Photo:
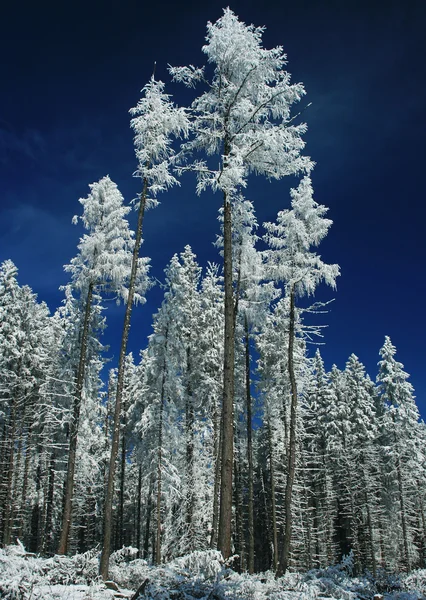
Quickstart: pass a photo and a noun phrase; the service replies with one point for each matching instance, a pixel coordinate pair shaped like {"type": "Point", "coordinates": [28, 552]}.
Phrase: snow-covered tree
{"type": "Point", "coordinates": [359, 465]}
{"type": "Point", "coordinates": [210, 360]}
{"type": "Point", "coordinates": [102, 265]}
{"type": "Point", "coordinates": [320, 428]}
{"type": "Point", "coordinates": [403, 457]}
{"type": "Point", "coordinates": [243, 118]}
{"type": "Point", "coordinates": [156, 123]}
{"type": "Point", "coordinates": [252, 299]}
{"type": "Point", "coordinates": [27, 348]}
{"type": "Point", "coordinates": [292, 261]}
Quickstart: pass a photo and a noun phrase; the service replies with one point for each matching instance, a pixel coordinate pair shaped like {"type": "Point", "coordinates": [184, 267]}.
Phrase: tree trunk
{"type": "Point", "coordinates": [160, 471]}
{"type": "Point", "coordinates": [330, 511]}
{"type": "Point", "coordinates": [138, 513]}
{"type": "Point", "coordinates": [225, 514]}
{"type": "Point", "coordinates": [120, 516]}
{"type": "Point", "coordinates": [309, 533]}
{"type": "Point", "coordinates": [35, 514]}
{"type": "Point", "coordinates": [190, 418]}
{"type": "Point", "coordinates": [7, 510]}
{"type": "Point", "coordinates": [367, 497]}
{"type": "Point", "coordinates": [401, 497]}
{"type": "Point", "coordinates": [72, 451]}
{"type": "Point", "coordinates": [106, 546]}
{"type": "Point", "coordinates": [48, 533]}
{"type": "Point", "coordinates": [285, 556]}
{"type": "Point", "coordinates": [403, 514]}
{"type": "Point", "coordinates": [249, 453]}
{"type": "Point", "coordinates": [273, 502]}
{"type": "Point", "coordinates": [24, 502]}
{"type": "Point", "coordinates": [14, 507]}
{"type": "Point", "coordinates": [148, 520]}
{"type": "Point", "coordinates": [217, 451]}
{"type": "Point", "coordinates": [354, 532]}
{"type": "Point", "coordinates": [239, 535]}
{"type": "Point", "coordinates": [422, 528]}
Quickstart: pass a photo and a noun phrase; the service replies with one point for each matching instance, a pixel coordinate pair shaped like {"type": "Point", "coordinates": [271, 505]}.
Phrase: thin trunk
{"type": "Point", "coordinates": [225, 515]}
{"type": "Point", "coordinates": [309, 534]}
{"type": "Point", "coordinates": [285, 422]}
{"type": "Point", "coordinates": [148, 520]}
{"type": "Point", "coordinates": [10, 465]}
{"type": "Point", "coordinates": [370, 533]}
{"type": "Point", "coordinates": [239, 537]}
{"type": "Point", "coordinates": [273, 501]}
{"type": "Point", "coordinates": [190, 418]}
{"type": "Point", "coordinates": [263, 561]}
{"type": "Point", "coordinates": [159, 465]}
{"type": "Point", "coordinates": [4, 471]}
{"type": "Point", "coordinates": [35, 514]}
{"type": "Point", "coordinates": [217, 452]}
{"type": "Point", "coordinates": [158, 557]}
{"type": "Point", "coordinates": [354, 533]}
{"type": "Point", "coordinates": [382, 561]}
{"type": "Point", "coordinates": [369, 520]}
{"type": "Point", "coordinates": [138, 512]}
{"type": "Point", "coordinates": [48, 534]}
{"type": "Point", "coordinates": [401, 498]}
{"type": "Point", "coordinates": [285, 556]}
{"type": "Point", "coordinates": [422, 527]}
{"type": "Point", "coordinates": [403, 515]}
{"type": "Point", "coordinates": [72, 451]}
{"type": "Point", "coordinates": [249, 453]}
{"type": "Point", "coordinates": [120, 516]}
{"type": "Point", "coordinates": [106, 547]}
{"type": "Point", "coordinates": [14, 508]}
{"type": "Point", "coordinates": [106, 432]}
{"type": "Point", "coordinates": [328, 505]}
{"type": "Point", "coordinates": [25, 481]}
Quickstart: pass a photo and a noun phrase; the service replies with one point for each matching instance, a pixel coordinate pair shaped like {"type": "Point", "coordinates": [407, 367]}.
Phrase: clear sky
{"type": "Point", "coordinates": [71, 71]}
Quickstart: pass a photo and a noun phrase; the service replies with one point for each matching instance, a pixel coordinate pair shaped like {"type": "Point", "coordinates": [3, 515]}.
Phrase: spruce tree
{"type": "Point", "coordinates": [292, 261]}
{"type": "Point", "coordinates": [243, 118]}
{"type": "Point", "coordinates": [156, 123]}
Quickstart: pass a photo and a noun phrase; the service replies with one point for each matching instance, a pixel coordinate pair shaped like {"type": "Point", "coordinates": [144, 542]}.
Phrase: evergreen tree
{"type": "Point", "coordinates": [244, 118]}
{"type": "Point", "coordinates": [156, 123]}
{"type": "Point", "coordinates": [292, 261]}
{"type": "Point", "coordinates": [102, 264]}
{"type": "Point", "coordinates": [25, 335]}
{"type": "Point", "coordinates": [401, 425]}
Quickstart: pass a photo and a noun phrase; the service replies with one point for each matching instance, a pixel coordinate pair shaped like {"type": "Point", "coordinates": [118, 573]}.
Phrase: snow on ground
{"type": "Point", "coordinates": [200, 575]}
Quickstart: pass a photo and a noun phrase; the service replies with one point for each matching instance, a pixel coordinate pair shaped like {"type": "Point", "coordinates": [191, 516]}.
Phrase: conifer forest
{"type": "Point", "coordinates": [225, 432]}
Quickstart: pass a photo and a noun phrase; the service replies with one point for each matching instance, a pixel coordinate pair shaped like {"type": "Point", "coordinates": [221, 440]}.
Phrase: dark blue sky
{"type": "Point", "coordinates": [70, 72]}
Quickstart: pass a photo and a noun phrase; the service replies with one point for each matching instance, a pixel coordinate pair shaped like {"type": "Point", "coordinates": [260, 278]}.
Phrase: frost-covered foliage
{"type": "Point", "coordinates": [244, 116]}
{"type": "Point", "coordinates": [28, 348]}
{"type": "Point", "coordinates": [105, 251]}
{"type": "Point", "coordinates": [291, 239]}
{"type": "Point", "coordinates": [176, 410]}
{"type": "Point", "coordinates": [156, 122]}
{"type": "Point", "coordinates": [195, 576]}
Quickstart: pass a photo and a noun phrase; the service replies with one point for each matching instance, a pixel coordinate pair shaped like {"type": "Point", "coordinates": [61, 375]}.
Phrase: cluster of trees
{"type": "Point", "coordinates": [224, 432]}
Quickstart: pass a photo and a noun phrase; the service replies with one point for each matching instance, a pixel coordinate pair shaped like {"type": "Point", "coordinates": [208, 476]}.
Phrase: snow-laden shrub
{"type": "Point", "coordinates": [205, 564]}
{"type": "Point", "coordinates": [124, 555]}
{"type": "Point", "coordinates": [386, 582]}
{"type": "Point", "coordinates": [80, 569]}
{"type": "Point", "coordinates": [15, 589]}
{"type": "Point", "coordinates": [198, 575]}
{"type": "Point", "coordinates": [130, 575]}
{"type": "Point", "coordinates": [415, 581]}
{"type": "Point", "coordinates": [18, 573]}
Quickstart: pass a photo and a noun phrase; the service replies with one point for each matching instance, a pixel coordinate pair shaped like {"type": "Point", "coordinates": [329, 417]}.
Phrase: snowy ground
{"type": "Point", "coordinates": [201, 575]}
